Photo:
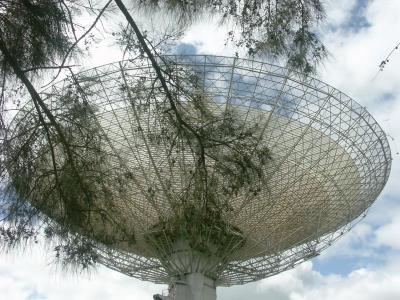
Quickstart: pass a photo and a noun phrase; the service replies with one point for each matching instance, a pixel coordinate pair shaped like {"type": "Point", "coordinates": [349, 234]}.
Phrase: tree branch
{"type": "Point", "coordinates": [41, 106]}
{"type": "Point", "coordinates": [164, 85]}
{"type": "Point", "coordinates": [47, 68]}
{"type": "Point", "coordinates": [78, 40]}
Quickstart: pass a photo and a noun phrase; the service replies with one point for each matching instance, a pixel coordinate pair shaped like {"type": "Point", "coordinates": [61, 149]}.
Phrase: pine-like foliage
{"type": "Point", "coordinates": [69, 185]}
{"type": "Point", "coordinates": [36, 32]}
{"type": "Point", "coordinates": [55, 168]}
{"type": "Point", "coordinates": [276, 28]}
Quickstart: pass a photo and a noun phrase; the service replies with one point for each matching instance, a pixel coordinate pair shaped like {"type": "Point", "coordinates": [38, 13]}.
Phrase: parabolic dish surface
{"type": "Point", "coordinates": [329, 162]}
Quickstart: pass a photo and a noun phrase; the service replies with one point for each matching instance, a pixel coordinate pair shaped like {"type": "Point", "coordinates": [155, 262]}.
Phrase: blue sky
{"type": "Point", "coordinates": [364, 265]}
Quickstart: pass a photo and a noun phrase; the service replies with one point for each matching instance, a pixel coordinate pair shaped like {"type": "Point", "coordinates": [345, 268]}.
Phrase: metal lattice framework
{"type": "Point", "coordinates": [328, 162]}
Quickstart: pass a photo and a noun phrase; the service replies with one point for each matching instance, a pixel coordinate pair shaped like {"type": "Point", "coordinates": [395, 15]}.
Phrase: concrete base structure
{"type": "Point", "coordinates": [194, 286]}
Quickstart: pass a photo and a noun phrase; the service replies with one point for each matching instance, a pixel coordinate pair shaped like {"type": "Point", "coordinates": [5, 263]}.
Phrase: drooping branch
{"type": "Point", "coordinates": [37, 100]}
{"type": "Point", "coordinates": [150, 55]}
{"type": "Point", "coordinates": [79, 39]}
{"type": "Point", "coordinates": [40, 107]}
{"type": "Point", "coordinates": [160, 76]}
{"type": "Point", "coordinates": [33, 69]}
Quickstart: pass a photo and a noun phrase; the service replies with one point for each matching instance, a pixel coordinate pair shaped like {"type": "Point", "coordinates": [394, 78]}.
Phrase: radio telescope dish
{"type": "Point", "coordinates": [256, 169]}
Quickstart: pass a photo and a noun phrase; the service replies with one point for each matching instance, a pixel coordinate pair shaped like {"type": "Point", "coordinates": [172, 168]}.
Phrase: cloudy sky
{"type": "Point", "coordinates": [363, 265]}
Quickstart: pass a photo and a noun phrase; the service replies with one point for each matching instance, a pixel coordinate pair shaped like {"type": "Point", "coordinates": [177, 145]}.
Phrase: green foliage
{"type": "Point", "coordinates": [61, 180]}
{"type": "Point", "coordinates": [44, 190]}
{"type": "Point", "coordinates": [35, 32]}
{"type": "Point", "coordinates": [280, 29]}
{"type": "Point", "coordinates": [206, 232]}
{"type": "Point", "coordinates": [225, 158]}
{"type": "Point", "coordinates": [71, 186]}
{"type": "Point", "coordinates": [78, 252]}
{"type": "Point", "coordinates": [11, 236]}
{"type": "Point", "coordinates": [162, 41]}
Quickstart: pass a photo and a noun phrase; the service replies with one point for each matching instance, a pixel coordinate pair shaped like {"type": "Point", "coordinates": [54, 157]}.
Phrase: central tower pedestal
{"type": "Point", "coordinates": [194, 286]}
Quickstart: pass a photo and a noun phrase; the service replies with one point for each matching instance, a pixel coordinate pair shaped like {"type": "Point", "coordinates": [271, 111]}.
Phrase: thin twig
{"type": "Point", "coordinates": [70, 19]}
{"type": "Point", "coordinates": [47, 67]}
{"type": "Point", "coordinates": [77, 41]}
{"type": "Point", "coordinates": [386, 60]}
{"type": "Point", "coordinates": [164, 86]}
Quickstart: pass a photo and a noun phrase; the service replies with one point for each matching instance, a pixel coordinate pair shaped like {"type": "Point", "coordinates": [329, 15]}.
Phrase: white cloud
{"type": "Point", "coordinates": [361, 284]}
{"type": "Point", "coordinates": [338, 12]}
{"type": "Point", "coordinates": [26, 275]}
{"type": "Point", "coordinates": [356, 55]}
{"type": "Point", "coordinates": [388, 234]}
{"type": "Point", "coordinates": [304, 283]}
{"type": "Point", "coordinates": [209, 38]}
